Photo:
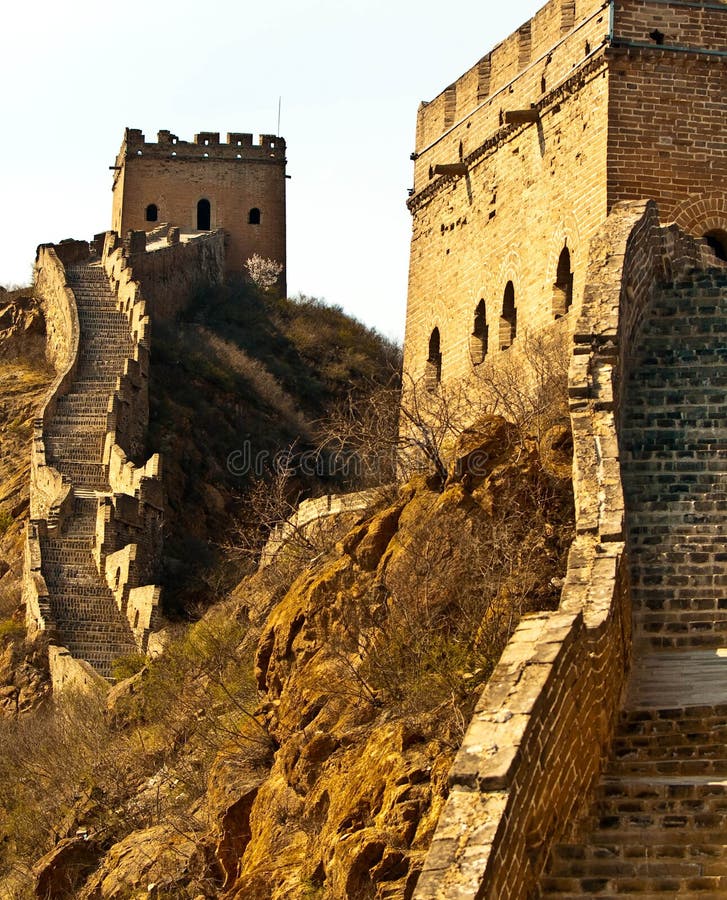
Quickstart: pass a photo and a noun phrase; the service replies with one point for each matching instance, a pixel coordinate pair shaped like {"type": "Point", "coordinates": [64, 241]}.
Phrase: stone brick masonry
{"type": "Point", "coordinates": [94, 537]}
{"type": "Point", "coordinates": [585, 110]}
{"type": "Point", "coordinates": [541, 732]}
{"type": "Point", "coordinates": [523, 157]}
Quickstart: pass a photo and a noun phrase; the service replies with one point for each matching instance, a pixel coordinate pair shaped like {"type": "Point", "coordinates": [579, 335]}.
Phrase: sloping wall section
{"type": "Point", "coordinates": [129, 510]}
{"type": "Point", "coordinates": [538, 737]}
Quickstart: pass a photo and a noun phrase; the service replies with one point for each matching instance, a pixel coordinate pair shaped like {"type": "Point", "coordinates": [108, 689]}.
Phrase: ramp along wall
{"type": "Point", "coordinates": [541, 730]}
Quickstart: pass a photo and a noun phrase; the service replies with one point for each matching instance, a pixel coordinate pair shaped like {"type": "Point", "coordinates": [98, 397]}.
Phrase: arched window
{"type": "Point", "coordinates": [478, 338]}
{"type": "Point", "coordinates": [563, 287]}
{"type": "Point", "coordinates": [433, 373]}
{"type": "Point", "coordinates": [204, 215]}
{"type": "Point", "coordinates": [253, 217]}
{"type": "Point", "coordinates": [508, 319]}
{"type": "Point", "coordinates": [152, 213]}
{"type": "Point", "coordinates": [717, 242]}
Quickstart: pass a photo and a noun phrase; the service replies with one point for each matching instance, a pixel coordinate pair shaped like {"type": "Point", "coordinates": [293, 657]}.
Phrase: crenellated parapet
{"type": "Point", "coordinates": [205, 146]}
{"type": "Point", "coordinates": [170, 266]}
{"type": "Point", "coordinates": [528, 71]}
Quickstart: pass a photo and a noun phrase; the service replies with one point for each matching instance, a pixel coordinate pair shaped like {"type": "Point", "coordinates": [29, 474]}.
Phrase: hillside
{"type": "Point", "coordinates": [24, 379]}
{"type": "Point", "coordinates": [311, 714]}
{"type": "Point", "coordinates": [241, 378]}
{"type": "Point", "coordinates": [295, 742]}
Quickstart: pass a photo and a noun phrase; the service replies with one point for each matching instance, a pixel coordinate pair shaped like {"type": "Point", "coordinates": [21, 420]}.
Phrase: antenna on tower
{"type": "Point", "coordinates": [280, 100]}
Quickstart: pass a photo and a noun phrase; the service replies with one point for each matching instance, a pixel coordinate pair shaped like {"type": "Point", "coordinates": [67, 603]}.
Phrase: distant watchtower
{"type": "Point", "coordinates": [206, 185]}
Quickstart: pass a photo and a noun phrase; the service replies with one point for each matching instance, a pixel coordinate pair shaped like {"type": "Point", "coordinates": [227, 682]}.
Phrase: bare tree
{"type": "Point", "coordinates": [392, 433]}
{"type": "Point", "coordinates": [528, 385]}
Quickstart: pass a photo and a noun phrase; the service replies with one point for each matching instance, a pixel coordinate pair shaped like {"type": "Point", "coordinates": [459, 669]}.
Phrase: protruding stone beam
{"type": "Point", "coordinates": [459, 168]}
{"type": "Point", "coordinates": [521, 116]}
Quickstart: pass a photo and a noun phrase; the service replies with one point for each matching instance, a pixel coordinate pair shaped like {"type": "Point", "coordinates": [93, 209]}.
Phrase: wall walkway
{"type": "Point", "coordinates": [541, 732]}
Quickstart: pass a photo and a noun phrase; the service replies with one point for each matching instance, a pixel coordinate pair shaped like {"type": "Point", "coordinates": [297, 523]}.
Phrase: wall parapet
{"type": "Point", "coordinates": [536, 743]}
{"type": "Point", "coordinates": [128, 520]}
{"type": "Point", "coordinates": [169, 271]}
{"type": "Point", "coordinates": [508, 79]}
{"type": "Point", "coordinates": [50, 493]}
{"type": "Point", "coordinates": [206, 147]}
{"type": "Point", "coordinates": [311, 511]}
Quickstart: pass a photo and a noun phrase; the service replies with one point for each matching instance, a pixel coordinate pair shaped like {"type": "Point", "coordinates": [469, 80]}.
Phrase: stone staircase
{"type": "Point", "coordinates": [89, 622]}
{"type": "Point", "coordinates": [658, 825]}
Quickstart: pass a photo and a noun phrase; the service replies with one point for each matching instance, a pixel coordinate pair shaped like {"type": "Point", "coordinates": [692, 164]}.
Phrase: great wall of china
{"type": "Point", "coordinates": [620, 694]}
{"type": "Point", "coordinates": [573, 179]}
{"type": "Point", "coordinates": [94, 539]}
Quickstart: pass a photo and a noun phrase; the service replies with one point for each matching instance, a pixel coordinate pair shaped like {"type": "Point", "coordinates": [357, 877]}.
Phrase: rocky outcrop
{"type": "Point", "coordinates": [24, 379]}
{"type": "Point", "coordinates": [21, 324]}
{"type": "Point", "coordinates": [154, 862]}
{"type": "Point", "coordinates": [367, 729]}
{"type": "Point", "coordinates": [327, 774]}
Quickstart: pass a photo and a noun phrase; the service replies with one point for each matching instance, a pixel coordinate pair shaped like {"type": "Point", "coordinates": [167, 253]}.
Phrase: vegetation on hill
{"type": "Point", "coordinates": [24, 380]}
{"type": "Point", "coordinates": [243, 376]}
{"type": "Point", "coordinates": [295, 742]}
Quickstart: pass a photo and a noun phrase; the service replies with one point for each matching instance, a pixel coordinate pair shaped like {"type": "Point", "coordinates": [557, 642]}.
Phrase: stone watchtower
{"type": "Point", "coordinates": [206, 185]}
{"type": "Point", "coordinates": [521, 159]}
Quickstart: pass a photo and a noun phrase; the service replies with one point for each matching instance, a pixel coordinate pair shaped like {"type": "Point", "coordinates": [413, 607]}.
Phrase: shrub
{"type": "Point", "coordinates": [10, 629]}
{"type": "Point", "coordinates": [6, 520]}
{"type": "Point", "coordinates": [125, 666]}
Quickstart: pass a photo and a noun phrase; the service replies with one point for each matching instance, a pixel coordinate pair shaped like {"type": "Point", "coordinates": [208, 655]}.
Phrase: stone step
{"type": "Point", "coordinates": [563, 854]}
{"type": "Point", "coordinates": [71, 541]}
{"type": "Point", "coordinates": [628, 816]}
{"type": "Point", "coordinates": [713, 639]}
{"type": "Point", "coordinates": [92, 405]}
{"type": "Point", "coordinates": [642, 866]}
{"type": "Point", "coordinates": [71, 447]}
{"type": "Point", "coordinates": [672, 745]}
{"type": "Point", "coordinates": [643, 887]}
{"type": "Point", "coordinates": [67, 420]}
{"type": "Point", "coordinates": [716, 768]}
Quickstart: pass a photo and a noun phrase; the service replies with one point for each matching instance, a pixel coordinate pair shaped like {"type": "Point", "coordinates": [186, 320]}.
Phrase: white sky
{"type": "Point", "coordinates": [351, 75]}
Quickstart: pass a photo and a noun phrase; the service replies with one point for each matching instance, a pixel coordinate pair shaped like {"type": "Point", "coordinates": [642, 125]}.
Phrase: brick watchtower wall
{"type": "Point", "coordinates": [243, 183]}
{"type": "Point", "coordinates": [667, 140]}
{"type": "Point", "coordinates": [519, 161]}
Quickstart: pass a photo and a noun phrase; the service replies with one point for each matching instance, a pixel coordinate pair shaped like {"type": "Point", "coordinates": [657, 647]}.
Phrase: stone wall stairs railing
{"type": "Point", "coordinates": [101, 404]}
{"type": "Point", "coordinates": [658, 824]}
{"type": "Point", "coordinates": [540, 735]}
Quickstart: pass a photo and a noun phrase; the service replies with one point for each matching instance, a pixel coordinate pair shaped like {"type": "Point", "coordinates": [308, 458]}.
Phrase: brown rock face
{"type": "Point", "coordinates": [158, 861]}
{"type": "Point", "coordinates": [21, 320]}
{"type": "Point", "coordinates": [323, 773]}
{"type": "Point", "coordinates": [369, 665]}
{"type": "Point", "coordinates": [24, 679]}
{"type": "Point", "coordinates": [232, 790]}
{"type": "Point", "coordinates": [24, 379]}
{"type": "Point", "coordinates": [60, 872]}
